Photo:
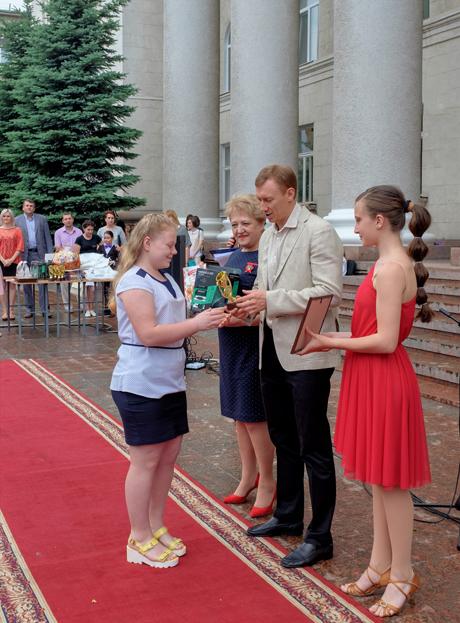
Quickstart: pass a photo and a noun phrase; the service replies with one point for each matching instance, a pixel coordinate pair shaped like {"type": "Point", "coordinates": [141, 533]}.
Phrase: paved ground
{"type": "Point", "coordinates": [210, 455]}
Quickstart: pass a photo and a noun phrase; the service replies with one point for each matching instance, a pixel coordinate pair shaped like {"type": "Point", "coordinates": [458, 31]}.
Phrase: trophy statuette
{"type": "Point", "coordinates": [226, 288]}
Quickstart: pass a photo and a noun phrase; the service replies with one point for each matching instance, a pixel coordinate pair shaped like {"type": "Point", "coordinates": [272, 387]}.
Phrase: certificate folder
{"type": "Point", "coordinates": [313, 318]}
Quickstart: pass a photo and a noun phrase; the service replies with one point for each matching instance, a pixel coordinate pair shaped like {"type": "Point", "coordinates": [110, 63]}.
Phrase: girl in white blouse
{"type": "Point", "coordinates": [148, 384]}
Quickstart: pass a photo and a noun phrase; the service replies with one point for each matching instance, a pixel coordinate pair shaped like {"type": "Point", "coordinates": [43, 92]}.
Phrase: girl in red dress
{"type": "Point", "coordinates": [380, 430]}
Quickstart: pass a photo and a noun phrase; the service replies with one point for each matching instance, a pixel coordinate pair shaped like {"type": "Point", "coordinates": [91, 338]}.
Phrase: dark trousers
{"type": "Point", "coordinates": [28, 292]}
{"type": "Point", "coordinates": [296, 408]}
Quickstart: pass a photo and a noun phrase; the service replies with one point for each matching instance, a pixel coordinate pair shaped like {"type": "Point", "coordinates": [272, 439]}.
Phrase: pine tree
{"type": "Point", "coordinates": [70, 146]}
{"type": "Point", "coordinates": [15, 34]}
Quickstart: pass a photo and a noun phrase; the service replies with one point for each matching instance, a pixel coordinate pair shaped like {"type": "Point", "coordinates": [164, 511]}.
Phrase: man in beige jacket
{"type": "Point", "coordinates": [300, 256]}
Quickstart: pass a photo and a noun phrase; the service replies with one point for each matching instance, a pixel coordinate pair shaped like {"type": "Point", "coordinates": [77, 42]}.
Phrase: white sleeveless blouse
{"type": "Point", "coordinates": [149, 371]}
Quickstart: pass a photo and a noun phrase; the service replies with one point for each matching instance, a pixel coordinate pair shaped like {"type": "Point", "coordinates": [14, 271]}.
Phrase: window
{"type": "Point", "coordinates": [305, 172]}
{"type": "Point", "coordinates": [227, 59]}
{"type": "Point", "coordinates": [308, 35]}
{"type": "Point", "coordinates": [426, 9]}
{"type": "Point", "coordinates": [224, 174]}
{"type": "Point", "coordinates": [2, 55]}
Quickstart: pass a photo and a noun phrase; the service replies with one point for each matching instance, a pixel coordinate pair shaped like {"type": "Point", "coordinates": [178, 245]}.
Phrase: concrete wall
{"type": "Point", "coordinates": [326, 29]}
{"type": "Point", "coordinates": [142, 47]}
{"type": "Point", "coordinates": [315, 106]}
{"type": "Point", "coordinates": [441, 120]}
{"type": "Point", "coordinates": [438, 7]}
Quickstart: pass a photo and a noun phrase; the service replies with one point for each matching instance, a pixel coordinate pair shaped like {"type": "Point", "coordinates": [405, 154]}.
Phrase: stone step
{"type": "Point", "coordinates": [435, 389]}
{"type": "Point", "coordinates": [439, 342]}
{"type": "Point", "coordinates": [438, 270]}
{"type": "Point", "coordinates": [439, 322]}
{"type": "Point", "coordinates": [440, 391]}
{"type": "Point", "coordinates": [435, 366]}
{"type": "Point", "coordinates": [436, 330]}
{"type": "Point", "coordinates": [433, 287]}
{"type": "Point", "coordinates": [435, 355]}
{"type": "Point", "coordinates": [449, 303]}
{"type": "Point", "coordinates": [442, 270]}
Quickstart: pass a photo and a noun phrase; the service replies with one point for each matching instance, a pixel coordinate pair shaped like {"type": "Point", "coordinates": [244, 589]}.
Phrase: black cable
{"type": "Point", "coordinates": [206, 358]}
{"type": "Point", "coordinates": [431, 508]}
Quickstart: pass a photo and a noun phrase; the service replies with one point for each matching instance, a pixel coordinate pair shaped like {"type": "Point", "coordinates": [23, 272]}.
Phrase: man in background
{"type": "Point", "coordinates": [65, 236]}
{"type": "Point", "coordinates": [37, 242]}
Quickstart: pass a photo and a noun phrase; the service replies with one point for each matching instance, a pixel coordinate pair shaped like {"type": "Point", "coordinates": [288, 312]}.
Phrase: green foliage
{"type": "Point", "coordinates": [67, 142]}
{"type": "Point", "coordinates": [15, 34]}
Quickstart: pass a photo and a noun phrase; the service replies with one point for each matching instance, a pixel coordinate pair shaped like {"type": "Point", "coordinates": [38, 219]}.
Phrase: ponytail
{"type": "Point", "coordinates": [419, 223]}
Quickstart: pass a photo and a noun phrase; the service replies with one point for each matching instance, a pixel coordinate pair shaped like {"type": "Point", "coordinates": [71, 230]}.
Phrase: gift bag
{"type": "Point", "coordinates": [23, 271]}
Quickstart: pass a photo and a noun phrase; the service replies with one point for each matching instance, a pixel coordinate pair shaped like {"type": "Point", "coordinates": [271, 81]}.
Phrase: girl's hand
{"type": "Point", "coordinates": [227, 321]}
{"type": "Point", "coordinates": [210, 318]}
{"type": "Point", "coordinates": [233, 320]}
{"type": "Point", "coordinates": [319, 343]}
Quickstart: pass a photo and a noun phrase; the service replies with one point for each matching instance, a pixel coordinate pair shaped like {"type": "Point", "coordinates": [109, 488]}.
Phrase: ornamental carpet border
{"type": "Point", "coordinates": [23, 602]}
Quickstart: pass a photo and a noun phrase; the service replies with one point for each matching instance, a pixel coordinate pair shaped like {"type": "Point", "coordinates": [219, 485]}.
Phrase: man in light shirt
{"type": "Point", "coordinates": [300, 257]}
{"type": "Point", "coordinates": [65, 236]}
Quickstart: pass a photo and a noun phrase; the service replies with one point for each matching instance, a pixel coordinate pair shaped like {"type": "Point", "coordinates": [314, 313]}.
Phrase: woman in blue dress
{"type": "Point", "coordinates": [240, 394]}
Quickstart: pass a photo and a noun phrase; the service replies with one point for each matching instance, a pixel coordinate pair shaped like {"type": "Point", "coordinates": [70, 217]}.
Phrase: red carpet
{"type": "Point", "coordinates": [64, 528]}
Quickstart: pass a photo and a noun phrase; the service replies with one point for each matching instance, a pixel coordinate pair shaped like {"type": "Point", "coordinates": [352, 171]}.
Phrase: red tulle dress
{"type": "Point", "coordinates": [380, 431]}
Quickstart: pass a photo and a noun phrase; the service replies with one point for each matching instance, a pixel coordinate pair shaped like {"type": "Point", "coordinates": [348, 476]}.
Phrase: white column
{"type": "Point", "coordinates": [264, 92]}
{"type": "Point", "coordinates": [377, 102]}
{"type": "Point", "coordinates": [191, 110]}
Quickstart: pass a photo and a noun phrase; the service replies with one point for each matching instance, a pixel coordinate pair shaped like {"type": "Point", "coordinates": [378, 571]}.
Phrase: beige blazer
{"type": "Point", "coordinates": [310, 265]}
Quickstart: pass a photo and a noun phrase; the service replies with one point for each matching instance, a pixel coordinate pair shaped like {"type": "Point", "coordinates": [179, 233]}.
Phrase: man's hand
{"type": "Point", "coordinates": [253, 302]}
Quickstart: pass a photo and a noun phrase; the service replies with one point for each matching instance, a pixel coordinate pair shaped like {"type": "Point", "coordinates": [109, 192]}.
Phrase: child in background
{"type": "Point", "coordinates": [108, 249]}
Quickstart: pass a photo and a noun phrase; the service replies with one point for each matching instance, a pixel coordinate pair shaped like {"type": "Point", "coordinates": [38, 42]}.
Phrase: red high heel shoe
{"type": "Point", "coordinates": [261, 511]}
{"type": "Point", "coordinates": [240, 499]}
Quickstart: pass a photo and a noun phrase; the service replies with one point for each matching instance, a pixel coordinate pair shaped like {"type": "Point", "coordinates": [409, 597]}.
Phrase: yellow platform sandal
{"type": "Point", "coordinates": [353, 589]}
{"type": "Point", "coordinates": [136, 553]}
{"type": "Point", "coordinates": [176, 546]}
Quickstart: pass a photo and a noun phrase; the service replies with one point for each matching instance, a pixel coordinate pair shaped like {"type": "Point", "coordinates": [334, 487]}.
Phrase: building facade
{"type": "Point", "coordinates": [351, 93]}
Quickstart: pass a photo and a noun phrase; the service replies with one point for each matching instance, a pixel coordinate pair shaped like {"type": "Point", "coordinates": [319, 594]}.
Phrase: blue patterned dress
{"type": "Point", "coordinates": [240, 394]}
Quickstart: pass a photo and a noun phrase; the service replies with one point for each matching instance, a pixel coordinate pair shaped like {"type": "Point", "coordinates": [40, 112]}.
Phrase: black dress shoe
{"type": "Point", "coordinates": [307, 554]}
{"type": "Point", "coordinates": [274, 527]}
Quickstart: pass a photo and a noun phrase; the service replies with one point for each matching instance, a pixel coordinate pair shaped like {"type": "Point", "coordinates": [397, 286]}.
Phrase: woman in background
{"type": "Point", "coordinates": [88, 242]}
{"type": "Point", "coordinates": [11, 247]}
{"type": "Point", "coordinates": [119, 237]}
{"type": "Point", "coordinates": [196, 238]}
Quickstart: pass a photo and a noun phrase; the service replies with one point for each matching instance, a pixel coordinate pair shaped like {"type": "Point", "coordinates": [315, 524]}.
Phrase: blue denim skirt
{"type": "Point", "coordinates": [152, 420]}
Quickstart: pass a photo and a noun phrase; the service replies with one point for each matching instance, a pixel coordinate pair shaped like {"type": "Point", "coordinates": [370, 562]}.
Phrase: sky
{"type": "Point", "coordinates": [5, 4]}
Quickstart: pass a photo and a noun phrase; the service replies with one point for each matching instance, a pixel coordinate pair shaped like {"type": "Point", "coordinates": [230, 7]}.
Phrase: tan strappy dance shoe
{"type": "Point", "coordinates": [390, 610]}
{"type": "Point", "coordinates": [354, 590]}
